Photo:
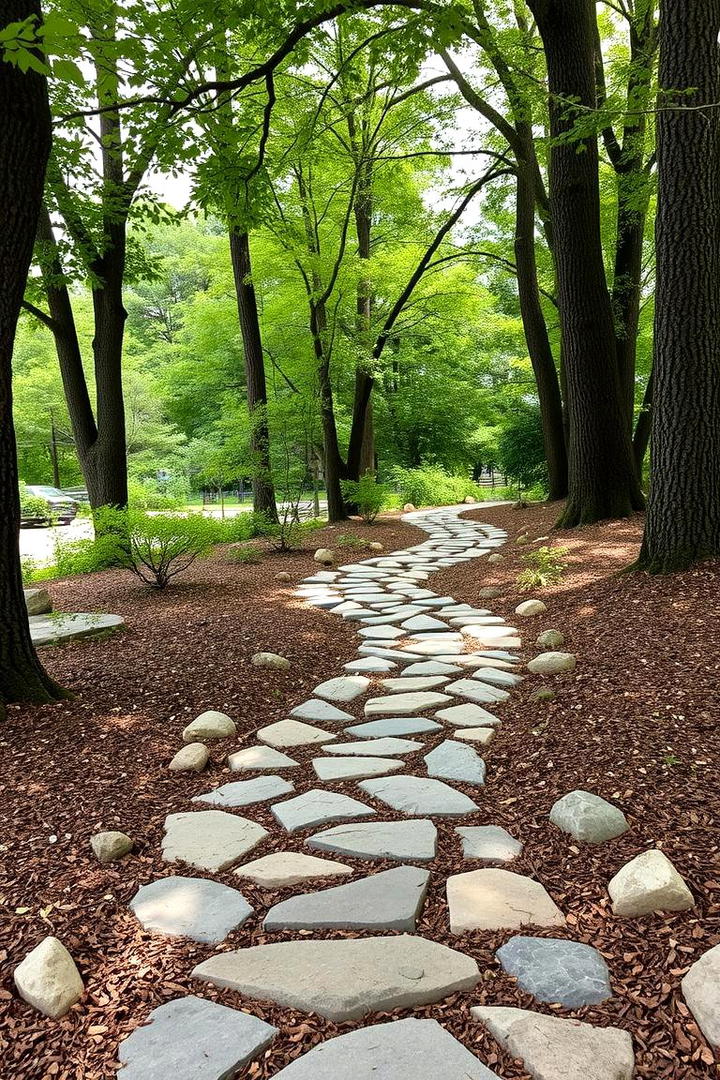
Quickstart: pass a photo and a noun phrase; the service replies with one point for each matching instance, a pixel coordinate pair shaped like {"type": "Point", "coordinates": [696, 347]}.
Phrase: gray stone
{"type": "Point", "coordinates": [354, 768]}
{"type": "Point", "coordinates": [390, 900]}
{"type": "Point", "coordinates": [209, 725]}
{"type": "Point", "coordinates": [482, 735]}
{"type": "Point", "coordinates": [109, 846]}
{"type": "Point", "coordinates": [552, 1048]}
{"type": "Point", "coordinates": [454, 761]}
{"type": "Point", "coordinates": [259, 757]}
{"type": "Point", "coordinates": [649, 883]}
{"type": "Point", "coordinates": [566, 972]}
{"type": "Point", "coordinates": [322, 711]}
{"type": "Point", "coordinates": [476, 691]}
{"type": "Point", "coordinates": [372, 664]}
{"type": "Point", "coordinates": [56, 628]}
{"type": "Point", "coordinates": [384, 747]}
{"type": "Point", "coordinates": [190, 907]}
{"type": "Point", "coordinates": [209, 839]}
{"type": "Point", "coordinates": [701, 990]}
{"type": "Point", "coordinates": [316, 807]}
{"type": "Point", "coordinates": [496, 676]}
{"type": "Point", "coordinates": [381, 633]}
{"type": "Point", "coordinates": [467, 715]}
{"type": "Point", "coordinates": [588, 818]}
{"type": "Point", "coordinates": [550, 639]}
{"type": "Point", "coordinates": [344, 979]}
{"type": "Point", "coordinates": [294, 733]}
{"type": "Point", "coordinates": [270, 660]}
{"type": "Point", "coordinates": [495, 557]}
{"type": "Point", "coordinates": [324, 556]}
{"type": "Point", "coordinates": [490, 592]}
{"type": "Point", "coordinates": [344, 688]}
{"type": "Point", "coordinates": [48, 979]}
{"type": "Point", "coordinates": [404, 704]}
{"type": "Point", "coordinates": [371, 648]}
{"type": "Point", "coordinates": [488, 843]}
{"type": "Point", "coordinates": [434, 647]}
{"type": "Point", "coordinates": [37, 601]}
{"type": "Point", "coordinates": [403, 841]}
{"type": "Point", "coordinates": [393, 726]}
{"type": "Point", "coordinates": [284, 577]}
{"type": "Point", "coordinates": [528, 608]}
{"type": "Point", "coordinates": [401, 1050]}
{"type": "Point", "coordinates": [408, 684]}
{"type": "Point", "coordinates": [431, 667]}
{"type": "Point", "coordinates": [193, 1039]}
{"type": "Point", "coordinates": [192, 758]}
{"type": "Point", "coordinates": [493, 899]}
{"type": "Point", "coordinates": [423, 622]}
{"type": "Point", "coordinates": [246, 792]}
{"type": "Point", "coordinates": [284, 868]}
{"type": "Point", "coordinates": [419, 795]}
{"type": "Point", "coordinates": [551, 663]}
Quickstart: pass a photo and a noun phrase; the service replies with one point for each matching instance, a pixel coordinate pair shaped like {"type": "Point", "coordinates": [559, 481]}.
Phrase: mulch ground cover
{"type": "Point", "coordinates": [637, 722]}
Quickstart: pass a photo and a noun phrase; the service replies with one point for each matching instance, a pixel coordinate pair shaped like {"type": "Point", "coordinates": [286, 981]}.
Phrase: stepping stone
{"type": "Point", "coordinates": [245, 792]}
{"type": "Point", "coordinates": [316, 807]}
{"type": "Point", "coordinates": [48, 978]}
{"type": "Point", "coordinates": [488, 843]}
{"type": "Point", "coordinates": [193, 1039]}
{"type": "Point", "coordinates": [322, 575]}
{"type": "Point", "coordinates": [347, 607]}
{"type": "Point", "coordinates": [467, 715]}
{"type": "Point", "coordinates": [588, 818]}
{"type": "Point", "coordinates": [480, 618]}
{"type": "Point", "coordinates": [369, 648]}
{"type": "Point", "coordinates": [454, 761]}
{"type": "Point", "coordinates": [284, 868]}
{"type": "Point", "coordinates": [419, 795]}
{"type": "Point", "coordinates": [294, 733]}
{"type": "Point", "coordinates": [404, 704]}
{"type": "Point", "coordinates": [344, 688]}
{"type": "Point", "coordinates": [424, 622]}
{"type": "Point", "coordinates": [57, 628]}
{"type": "Point", "coordinates": [647, 884]}
{"type": "Point", "coordinates": [555, 1049]}
{"type": "Point", "coordinates": [322, 711]}
{"type": "Point", "coordinates": [701, 990]}
{"type": "Point", "coordinates": [476, 691]}
{"type": "Point", "coordinates": [499, 900]}
{"type": "Point", "coordinates": [209, 725]}
{"type": "Point", "coordinates": [481, 735]}
{"type": "Point", "coordinates": [435, 648]}
{"type": "Point", "coordinates": [202, 910]}
{"type": "Point", "coordinates": [401, 1050]}
{"type": "Point", "coordinates": [497, 677]}
{"type": "Point", "coordinates": [344, 979]}
{"type": "Point", "coordinates": [394, 725]}
{"type": "Point", "coordinates": [431, 667]}
{"type": "Point", "coordinates": [209, 839]}
{"type": "Point", "coordinates": [388, 633]}
{"type": "Point", "coordinates": [554, 971]}
{"type": "Point", "coordinates": [354, 768]}
{"type": "Point", "coordinates": [404, 841]}
{"type": "Point", "coordinates": [370, 664]}
{"type": "Point", "coordinates": [409, 684]}
{"type": "Point", "coordinates": [478, 660]}
{"type": "Point", "coordinates": [259, 757]}
{"type": "Point", "coordinates": [433, 601]}
{"type": "Point", "coordinates": [390, 900]}
{"type": "Point", "coordinates": [377, 747]}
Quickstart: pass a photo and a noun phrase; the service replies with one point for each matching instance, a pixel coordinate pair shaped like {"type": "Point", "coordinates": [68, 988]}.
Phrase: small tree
{"type": "Point", "coordinates": [521, 450]}
{"type": "Point", "coordinates": [367, 495]}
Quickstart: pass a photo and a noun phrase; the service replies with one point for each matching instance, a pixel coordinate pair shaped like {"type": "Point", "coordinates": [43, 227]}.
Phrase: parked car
{"type": "Point", "coordinates": [60, 509]}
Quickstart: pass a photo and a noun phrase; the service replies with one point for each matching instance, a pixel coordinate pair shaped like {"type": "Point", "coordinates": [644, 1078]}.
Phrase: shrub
{"type": "Point", "coordinates": [152, 494]}
{"type": "Point", "coordinates": [544, 567]}
{"type": "Point", "coordinates": [365, 493]}
{"type": "Point", "coordinates": [430, 485]}
{"type": "Point", "coordinates": [351, 541]}
{"type": "Point", "coordinates": [521, 450]}
{"type": "Point", "coordinates": [250, 554]}
{"type": "Point", "coordinates": [32, 506]}
{"type": "Point", "coordinates": [84, 556]}
{"type": "Point", "coordinates": [28, 569]}
{"type": "Point", "coordinates": [154, 547]}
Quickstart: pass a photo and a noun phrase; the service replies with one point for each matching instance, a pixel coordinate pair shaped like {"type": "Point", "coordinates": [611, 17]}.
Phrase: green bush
{"type": "Point", "coordinates": [84, 556]}
{"type": "Point", "coordinates": [521, 450]}
{"type": "Point", "coordinates": [365, 493]}
{"type": "Point", "coordinates": [545, 567]}
{"type": "Point", "coordinates": [154, 547]}
{"type": "Point", "coordinates": [430, 485]}
{"type": "Point", "coordinates": [152, 494]}
{"type": "Point", "coordinates": [28, 569]}
{"type": "Point", "coordinates": [351, 541]}
{"type": "Point", "coordinates": [250, 554]}
{"type": "Point", "coordinates": [32, 506]}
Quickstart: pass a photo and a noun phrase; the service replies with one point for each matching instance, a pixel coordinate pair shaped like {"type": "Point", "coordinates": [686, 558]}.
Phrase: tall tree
{"type": "Point", "coordinates": [683, 519]}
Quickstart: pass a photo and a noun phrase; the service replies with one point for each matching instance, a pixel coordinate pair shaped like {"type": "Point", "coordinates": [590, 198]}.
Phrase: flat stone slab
{"type": "Point", "coordinates": [260, 757]}
{"type": "Point", "coordinates": [393, 726]}
{"type": "Point", "coordinates": [419, 795]}
{"type": "Point", "coordinates": [403, 841]}
{"type": "Point", "coordinates": [475, 691]}
{"type": "Point", "coordinates": [497, 677]}
{"type": "Point", "coordinates": [404, 704]}
{"type": "Point", "coordinates": [54, 629]}
{"type": "Point", "coordinates": [202, 910]}
{"type": "Point", "coordinates": [431, 667]}
{"type": "Point", "coordinates": [455, 761]}
{"type": "Point", "coordinates": [434, 647]}
{"type": "Point", "coordinates": [322, 711]}
{"type": "Point", "coordinates": [245, 792]}
{"type": "Point", "coordinates": [193, 1039]}
{"type": "Point", "coordinates": [344, 688]}
{"type": "Point", "coordinates": [373, 664]}
{"type": "Point", "coordinates": [283, 868]}
{"type": "Point", "coordinates": [344, 979]}
{"type": "Point", "coordinates": [354, 768]}
{"type": "Point", "coordinates": [649, 883]}
{"type": "Point", "coordinates": [381, 633]}
{"type": "Point", "coordinates": [374, 648]}
{"type": "Point", "coordinates": [588, 818]}
{"type": "Point", "coordinates": [390, 900]}
{"type": "Point", "coordinates": [488, 843]}
{"type": "Point", "coordinates": [294, 733]}
{"type": "Point", "coordinates": [565, 972]}
{"type": "Point", "coordinates": [481, 735]}
{"type": "Point", "coordinates": [468, 715]}
{"type": "Point", "coordinates": [401, 1050]}
{"type": "Point", "coordinates": [552, 1048]}
{"type": "Point", "coordinates": [494, 899]}
{"type": "Point", "coordinates": [209, 839]}
{"type": "Point", "coordinates": [383, 747]}
{"type": "Point", "coordinates": [316, 807]}
{"type": "Point", "coordinates": [423, 622]}
{"type": "Point", "coordinates": [409, 684]}
{"type": "Point", "coordinates": [701, 990]}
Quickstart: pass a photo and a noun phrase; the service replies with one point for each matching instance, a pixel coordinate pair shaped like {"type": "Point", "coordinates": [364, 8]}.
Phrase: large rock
{"type": "Point", "coordinates": [495, 557]}
{"type": "Point", "coordinates": [317, 807]}
{"type": "Point", "coordinates": [552, 1048]}
{"type": "Point", "coordinates": [48, 979]}
{"type": "Point", "coordinates": [453, 760]}
{"type": "Point", "coordinates": [419, 795]}
{"type": "Point", "coordinates": [324, 556]}
{"type": "Point", "coordinates": [550, 639]}
{"type": "Point", "coordinates": [344, 979]}
{"type": "Point", "coordinates": [649, 883]}
{"type": "Point", "coordinates": [701, 990]}
{"type": "Point", "coordinates": [37, 601]}
{"type": "Point", "coordinates": [566, 972]}
{"type": "Point", "coordinates": [209, 725]}
{"type": "Point", "coordinates": [270, 660]}
{"type": "Point", "coordinates": [492, 899]}
{"type": "Point", "coordinates": [109, 846]}
{"type": "Point", "coordinates": [552, 663]}
{"type": "Point", "coordinates": [528, 608]}
{"type": "Point", "coordinates": [192, 758]}
{"type": "Point", "coordinates": [193, 1039]}
{"type": "Point", "coordinates": [588, 818]}
{"type": "Point", "coordinates": [209, 839]}
{"type": "Point", "coordinates": [401, 1050]}
{"type": "Point", "coordinates": [284, 868]}
{"type": "Point", "coordinates": [202, 910]}
{"type": "Point", "coordinates": [403, 841]}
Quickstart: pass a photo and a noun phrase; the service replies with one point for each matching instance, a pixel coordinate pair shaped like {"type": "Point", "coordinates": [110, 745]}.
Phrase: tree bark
{"type": "Point", "coordinates": [602, 482]}
{"type": "Point", "coordinates": [24, 149]}
{"type": "Point", "coordinates": [361, 446]}
{"type": "Point", "coordinates": [683, 519]}
{"type": "Point", "coordinates": [643, 427]}
{"type": "Point", "coordinates": [335, 470]}
{"type": "Point", "coordinates": [263, 488]}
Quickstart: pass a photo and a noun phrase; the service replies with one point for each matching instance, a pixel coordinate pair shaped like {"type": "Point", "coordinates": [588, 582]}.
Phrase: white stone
{"type": "Point", "coordinates": [408, 684]}
{"type": "Point", "coordinates": [404, 704]}
{"type": "Point", "coordinates": [481, 735]}
{"type": "Point", "coordinates": [209, 839]}
{"type": "Point", "coordinates": [343, 688]}
{"type": "Point", "coordinates": [294, 733]}
{"type": "Point", "coordinates": [476, 691]}
{"type": "Point", "coordinates": [467, 715]}
{"type": "Point", "coordinates": [192, 758]}
{"type": "Point", "coordinates": [322, 711]}
{"type": "Point", "coordinates": [48, 979]}
{"type": "Point", "coordinates": [354, 768]}
{"type": "Point", "coordinates": [372, 664]}
{"type": "Point", "coordinates": [109, 846]}
{"type": "Point", "coordinates": [647, 884]}
{"type": "Point", "coordinates": [492, 899]}
{"type": "Point", "coordinates": [270, 660]}
{"type": "Point", "coordinates": [382, 747]}
{"type": "Point", "coordinates": [488, 843]}
{"type": "Point", "coordinates": [701, 990]}
{"type": "Point", "coordinates": [552, 663]}
{"type": "Point", "coordinates": [528, 608]}
{"type": "Point", "coordinates": [260, 757]}
{"type": "Point", "coordinates": [588, 818]}
{"type": "Point", "coordinates": [324, 556]}
{"type": "Point", "coordinates": [381, 633]}
{"type": "Point", "coordinates": [284, 868]}
{"type": "Point", "coordinates": [209, 725]}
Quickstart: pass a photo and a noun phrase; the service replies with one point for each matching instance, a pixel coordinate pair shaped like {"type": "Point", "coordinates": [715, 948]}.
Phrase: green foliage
{"type": "Point", "coordinates": [249, 554]}
{"type": "Point", "coordinates": [85, 556]}
{"type": "Point", "coordinates": [28, 569]}
{"type": "Point", "coordinates": [33, 506]}
{"type": "Point", "coordinates": [365, 493]}
{"type": "Point", "coordinates": [545, 566]}
{"type": "Point", "coordinates": [521, 451]}
{"type": "Point", "coordinates": [350, 540]}
{"type": "Point", "coordinates": [151, 494]}
{"type": "Point", "coordinates": [154, 547]}
{"type": "Point", "coordinates": [430, 485]}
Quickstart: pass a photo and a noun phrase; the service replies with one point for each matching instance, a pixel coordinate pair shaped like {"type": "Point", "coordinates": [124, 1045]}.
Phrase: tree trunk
{"type": "Point", "coordinates": [361, 447]}
{"type": "Point", "coordinates": [263, 488]}
{"type": "Point", "coordinates": [643, 427]}
{"type": "Point", "coordinates": [105, 467]}
{"type": "Point", "coordinates": [335, 470]}
{"type": "Point", "coordinates": [602, 482]}
{"type": "Point", "coordinates": [683, 519]}
{"type": "Point", "coordinates": [24, 148]}
{"type": "Point", "coordinates": [626, 281]}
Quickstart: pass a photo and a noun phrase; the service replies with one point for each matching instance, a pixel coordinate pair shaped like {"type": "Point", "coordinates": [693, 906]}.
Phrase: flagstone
{"type": "Point", "coordinates": [403, 841]}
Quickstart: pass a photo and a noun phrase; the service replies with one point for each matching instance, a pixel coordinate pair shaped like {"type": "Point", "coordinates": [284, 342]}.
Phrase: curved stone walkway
{"type": "Point", "coordinates": [427, 668]}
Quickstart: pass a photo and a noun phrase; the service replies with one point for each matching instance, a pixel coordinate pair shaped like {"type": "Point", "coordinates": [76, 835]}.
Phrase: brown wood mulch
{"type": "Point", "coordinates": [637, 722]}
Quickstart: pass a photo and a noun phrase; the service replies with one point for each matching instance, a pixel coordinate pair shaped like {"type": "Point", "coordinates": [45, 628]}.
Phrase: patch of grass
{"type": "Point", "coordinates": [545, 566]}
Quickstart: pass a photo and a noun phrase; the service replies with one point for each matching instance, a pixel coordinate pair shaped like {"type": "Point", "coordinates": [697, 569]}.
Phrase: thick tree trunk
{"type": "Point", "coordinates": [683, 519]}
{"type": "Point", "coordinates": [263, 488]}
{"type": "Point", "coordinates": [602, 482]}
{"type": "Point", "coordinates": [24, 149]}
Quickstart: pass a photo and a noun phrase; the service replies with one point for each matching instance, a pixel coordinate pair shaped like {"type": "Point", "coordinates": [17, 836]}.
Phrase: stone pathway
{"type": "Point", "coordinates": [422, 696]}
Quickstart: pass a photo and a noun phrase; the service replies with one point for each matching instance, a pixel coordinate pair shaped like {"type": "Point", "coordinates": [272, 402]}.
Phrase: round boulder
{"type": "Point", "coordinates": [283, 576]}
{"type": "Point", "coordinates": [324, 556]}
{"type": "Point", "coordinates": [496, 557]}
{"type": "Point", "coordinates": [587, 817]}
{"type": "Point", "coordinates": [409, 507]}
{"type": "Point", "coordinates": [469, 499]}
{"type": "Point", "coordinates": [109, 846]}
{"type": "Point", "coordinates": [192, 758]}
{"type": "Point", "coordinates": [209, 725]}
{"type": "Point", "coordinates": [48, 979]}
{"type": "Point", "coordinates": [531, 607]}
{"type": "Point", "coordinates": [375, 545]}
{"type": "Point", "coordinates": [270, 660]}
{"type": "Point", "coordinates": [523, 539]}
{"type": "Point", "coordinates": [552, 663]}
{"type": "Point", "coordinates": [491, 592]}
{"type": "Point", "coordinates": [550, 639]}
